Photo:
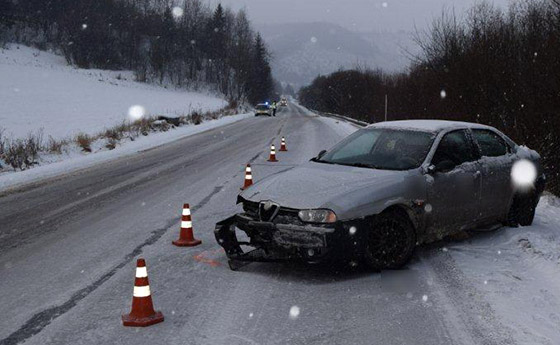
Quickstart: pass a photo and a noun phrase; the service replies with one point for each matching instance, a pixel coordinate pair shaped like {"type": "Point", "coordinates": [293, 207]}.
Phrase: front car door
{"type": "Point", "coordinates": [453, 194]}
{"type": "Point", "coordinates": [496, 162]}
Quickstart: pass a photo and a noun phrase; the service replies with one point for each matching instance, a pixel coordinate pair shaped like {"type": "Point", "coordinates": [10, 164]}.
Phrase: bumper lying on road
{"type": "Point", "coordinates": [274, 241]}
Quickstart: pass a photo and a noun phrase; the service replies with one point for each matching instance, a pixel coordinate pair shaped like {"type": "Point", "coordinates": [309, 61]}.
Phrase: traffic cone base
{"type": "Point", "coordinates": [131, 321]}
{"type": "Point", "coordinates": [187, 243]}
{"type": "Point", "coordinates": [186, 236]}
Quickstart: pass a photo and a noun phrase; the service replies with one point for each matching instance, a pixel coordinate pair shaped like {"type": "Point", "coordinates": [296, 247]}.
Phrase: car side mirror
{"type": "Point", "coordinates": [443, 166]}
{"type": "Point", "coordinates": [318, 157]}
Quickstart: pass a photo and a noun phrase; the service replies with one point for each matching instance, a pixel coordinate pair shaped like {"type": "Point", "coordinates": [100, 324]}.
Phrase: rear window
{"type": "Point", "coordinates": [490, 143]}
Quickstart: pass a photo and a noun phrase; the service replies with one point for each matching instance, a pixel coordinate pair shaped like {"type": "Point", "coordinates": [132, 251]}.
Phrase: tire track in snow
{"type": "Point", "coordinates": [468, 303]}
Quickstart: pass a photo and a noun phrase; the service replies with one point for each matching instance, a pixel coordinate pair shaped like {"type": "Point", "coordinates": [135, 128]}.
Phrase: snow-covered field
{"type": "Point", "coordinates": [39, 90]}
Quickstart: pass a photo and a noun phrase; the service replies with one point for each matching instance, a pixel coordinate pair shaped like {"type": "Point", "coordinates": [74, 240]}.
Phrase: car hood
{"type": "Point", "coordinates": [318, 185]}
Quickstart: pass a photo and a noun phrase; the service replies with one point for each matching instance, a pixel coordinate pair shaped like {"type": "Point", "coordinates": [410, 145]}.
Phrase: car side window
{"type": "Point", "coordinates": [455, 147]}
{"type": "Point", "coordinates": [490, 143]}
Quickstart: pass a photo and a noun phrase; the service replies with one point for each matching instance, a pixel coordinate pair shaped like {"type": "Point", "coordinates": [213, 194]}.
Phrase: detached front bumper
{"type": "Point", "coordinates": [276, 241]}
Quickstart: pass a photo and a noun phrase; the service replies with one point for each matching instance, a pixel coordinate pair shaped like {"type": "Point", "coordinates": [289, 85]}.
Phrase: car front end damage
{"type": "Point", "coordinates": [276, 233]}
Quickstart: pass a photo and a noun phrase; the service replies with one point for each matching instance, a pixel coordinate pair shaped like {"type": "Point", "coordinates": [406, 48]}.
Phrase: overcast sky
{"type": "Point", "coordinates": [356, 15]}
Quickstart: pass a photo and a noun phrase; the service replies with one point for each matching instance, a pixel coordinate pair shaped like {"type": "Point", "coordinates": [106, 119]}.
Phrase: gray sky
{"type": "Point", "coordinates": [356, 15]}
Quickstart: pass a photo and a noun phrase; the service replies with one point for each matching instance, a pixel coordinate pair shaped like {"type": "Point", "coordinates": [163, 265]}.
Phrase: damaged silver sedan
{"type": "Point", "coordinates": [382, 191]}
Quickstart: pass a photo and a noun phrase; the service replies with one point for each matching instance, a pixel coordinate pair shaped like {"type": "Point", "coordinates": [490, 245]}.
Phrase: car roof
{"type": "Point", "coordinates": [262, 104]}
{"type": "Point", "coordinates": [433, 126]}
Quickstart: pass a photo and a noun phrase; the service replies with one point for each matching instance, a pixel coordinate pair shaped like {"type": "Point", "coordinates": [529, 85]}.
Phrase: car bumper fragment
{"type": "Point", "coordinates": [272, 242]}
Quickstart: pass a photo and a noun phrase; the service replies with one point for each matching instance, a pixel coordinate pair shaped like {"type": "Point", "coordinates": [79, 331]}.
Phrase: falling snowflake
{"type": "Point", "coordinates": [425, 298]}
{"type": "Point", "coordinates": [84, 26]}
{"type": "Point", "coordinates": [428, 208]}
{"type": "Point", "coordinates": [486, 282]}
{"type": "Point", "coordinates": [294, 312]}
{"type": "Point", "coordinates": [177, 12]}
{"type": "Point", "coordinates": [385, 4]}
{"type": "Point", "coordinates": [313, 39]}
{"type": "Point", "coordinates": [250, 315]}
{"type": "Point", "coordinates": [523, 173]}
{"type": "Point", "coordinates": [136, 112]}
{"type": "Point", "coordinates": [352, 230]}
{"type": "Point", "coordinates": [443, 94]}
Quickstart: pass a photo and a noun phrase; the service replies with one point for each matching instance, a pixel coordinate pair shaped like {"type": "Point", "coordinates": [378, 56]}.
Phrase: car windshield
{"type": "Point", "coordinates": [262, 107]}
{"type": "Point", "coordinates": [381, 148]}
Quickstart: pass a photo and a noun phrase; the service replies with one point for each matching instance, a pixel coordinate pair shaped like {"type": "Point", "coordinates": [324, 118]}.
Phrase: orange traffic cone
{"type": "Point", "coordinates": [283, 145]}
{"type": "Point", "coordinates": [248, 177]}
{"type": "Point", "coordinates": [142, 313]}
{"type": "Point", "coordinates": [272, 157]}
{"type": "Point", "coordinates": [186, 237]}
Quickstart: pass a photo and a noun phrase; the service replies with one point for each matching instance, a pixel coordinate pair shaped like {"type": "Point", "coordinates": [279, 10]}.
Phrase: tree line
{"type": "Point", "coordinates": [192, 46]}
{"type": "Point", "coordinates": [500, 68]}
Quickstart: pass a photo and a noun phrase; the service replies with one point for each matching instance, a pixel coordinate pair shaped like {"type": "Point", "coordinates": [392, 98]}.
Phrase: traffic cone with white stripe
{"type": "Point", "coordinates": [283, 145]}
{"type": "Point", "coordinates": [248, 177]}
{"type": "Point", "coordinates": [186, 237]}
{"type": "Point", "coordinates": [272, 157]}
{"type": "Point", "coordinates": [142, 313]}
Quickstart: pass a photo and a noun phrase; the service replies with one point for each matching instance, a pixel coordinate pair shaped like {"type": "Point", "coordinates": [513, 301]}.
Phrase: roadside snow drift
{"type": "Point", "coordinates": [39, 90]}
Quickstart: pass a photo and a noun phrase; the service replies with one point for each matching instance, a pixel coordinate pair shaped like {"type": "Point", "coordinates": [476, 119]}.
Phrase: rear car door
{"type": "Point", "coordinates": [453, 196]}
{"type": "Point", "coordinates": [496, 162]}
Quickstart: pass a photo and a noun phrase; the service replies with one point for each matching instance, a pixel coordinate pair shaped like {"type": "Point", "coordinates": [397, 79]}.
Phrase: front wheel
{"type": "Point", "coordinates": [522, 210]}
{"type": "Point", "coordinates": [391, 241]}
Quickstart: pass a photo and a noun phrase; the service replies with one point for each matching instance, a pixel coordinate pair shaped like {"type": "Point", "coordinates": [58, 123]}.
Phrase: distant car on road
{"type": "Point", "coordinates": [284, 102]}
{"type": "Point", "coordinates": [263, 109]}
{"type": "Point", "coordinates": [383, 190]}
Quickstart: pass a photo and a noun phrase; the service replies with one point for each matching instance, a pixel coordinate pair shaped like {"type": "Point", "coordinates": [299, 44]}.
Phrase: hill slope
{"type": "Point", "coordinates": [301, 51]}
{"type": "Point", "coordinates": [39, 90]}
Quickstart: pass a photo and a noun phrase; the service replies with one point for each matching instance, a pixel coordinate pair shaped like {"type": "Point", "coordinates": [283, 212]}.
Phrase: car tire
{"type": "Point", "coordinates": [391, 241]}
{"type": "Point", "coordinates": [522, 210]}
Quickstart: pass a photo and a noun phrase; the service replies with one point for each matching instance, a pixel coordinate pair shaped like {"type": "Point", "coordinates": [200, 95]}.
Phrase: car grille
{"type": "Point", "coordinates": [284, 216]}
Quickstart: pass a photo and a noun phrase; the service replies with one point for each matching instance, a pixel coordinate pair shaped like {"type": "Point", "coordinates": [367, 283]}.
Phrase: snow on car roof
{"type": "Point", "coordinates": [427, 125]}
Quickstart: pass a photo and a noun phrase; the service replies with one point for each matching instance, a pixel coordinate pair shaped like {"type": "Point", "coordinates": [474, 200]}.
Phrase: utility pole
{"type": "Point", "coordinates": [385, 107]}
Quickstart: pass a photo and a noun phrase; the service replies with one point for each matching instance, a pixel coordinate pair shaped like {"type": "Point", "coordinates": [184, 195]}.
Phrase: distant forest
{"type": "Point", "coordinates": [192, 46]}
{"type": "Point", "coordinates": [492, 67]}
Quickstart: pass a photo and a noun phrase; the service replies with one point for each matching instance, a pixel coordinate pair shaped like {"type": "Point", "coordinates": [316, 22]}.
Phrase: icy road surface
{"type": "Point", "coordinates": [67, 251]}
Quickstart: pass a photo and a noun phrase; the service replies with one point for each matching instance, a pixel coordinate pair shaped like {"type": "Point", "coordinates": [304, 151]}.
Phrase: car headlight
{"type": "Point", "coordinates": [317, 216]}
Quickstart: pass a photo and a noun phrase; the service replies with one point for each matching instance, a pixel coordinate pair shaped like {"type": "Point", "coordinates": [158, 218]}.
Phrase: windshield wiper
{"type": "Point", "coordinates": [362, 165]}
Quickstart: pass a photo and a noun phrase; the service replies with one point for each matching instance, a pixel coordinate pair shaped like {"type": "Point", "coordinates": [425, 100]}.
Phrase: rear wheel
{"type": "Point", "coordinates": [391, 241]}
{"type": "Point", "coordinates": [522, 210]}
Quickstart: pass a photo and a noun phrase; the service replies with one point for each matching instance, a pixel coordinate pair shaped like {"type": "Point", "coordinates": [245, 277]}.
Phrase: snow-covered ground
{"type": "Point", "coordinates": [39, 90]}
{"type": "Point", "coordinates": [513, 275]}
{"type": "Point", "coordinates": [74, 159]}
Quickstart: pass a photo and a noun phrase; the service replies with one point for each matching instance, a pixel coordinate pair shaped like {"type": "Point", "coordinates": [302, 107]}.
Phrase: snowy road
{"type": "Point", "coordinates": [67, 251]}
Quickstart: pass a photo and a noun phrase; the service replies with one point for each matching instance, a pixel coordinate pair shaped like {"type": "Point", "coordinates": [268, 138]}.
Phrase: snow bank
{"type": "Point", "coordinates": [39, 90]}
{"type": "Point", "coordinates": [517, 272]}
{"type": "Point", "coordinates": [75, 160]}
